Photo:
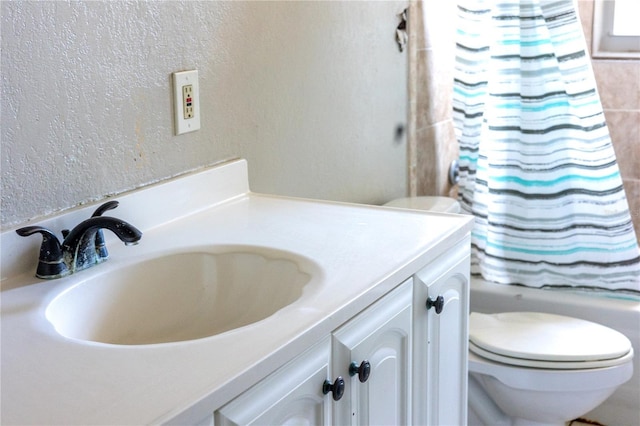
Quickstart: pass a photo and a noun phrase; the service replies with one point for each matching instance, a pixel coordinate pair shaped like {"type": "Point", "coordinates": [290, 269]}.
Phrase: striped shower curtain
{"type": "Point", "coordinates": [537, 167]}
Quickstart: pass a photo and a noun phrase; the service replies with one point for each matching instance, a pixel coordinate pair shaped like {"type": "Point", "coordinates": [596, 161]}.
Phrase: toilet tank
{"type": "Point", "coordinates": [430, 203]}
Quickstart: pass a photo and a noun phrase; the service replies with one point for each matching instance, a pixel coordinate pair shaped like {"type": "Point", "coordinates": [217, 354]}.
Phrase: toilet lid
{"type": "Point", "coordinates": [544, 337]}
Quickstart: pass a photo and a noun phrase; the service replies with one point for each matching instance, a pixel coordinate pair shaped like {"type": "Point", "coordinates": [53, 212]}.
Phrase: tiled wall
{"type": "Point", "coordinates": [432, 31]}
{"type": "Point", "coordinates": [433, 139]}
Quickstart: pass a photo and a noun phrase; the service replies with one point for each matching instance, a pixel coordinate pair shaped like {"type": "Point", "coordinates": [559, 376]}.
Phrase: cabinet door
{"type": "Point", "coordinates": [440, 342]}
{"type": "Point", "coordinates": [290, 396]}
{"type": "Point", "coordinates": [381, 336]}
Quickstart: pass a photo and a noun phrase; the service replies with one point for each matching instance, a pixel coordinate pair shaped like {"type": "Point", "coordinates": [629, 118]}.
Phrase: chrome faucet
{"type": "Point", "coordinates": [82, 247]}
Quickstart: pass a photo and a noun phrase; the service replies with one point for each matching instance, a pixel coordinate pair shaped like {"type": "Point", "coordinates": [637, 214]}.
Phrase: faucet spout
{"type": "Point", "coordinates": [82, 247]}
{"type": "Point", "coordinates": [79, 245]}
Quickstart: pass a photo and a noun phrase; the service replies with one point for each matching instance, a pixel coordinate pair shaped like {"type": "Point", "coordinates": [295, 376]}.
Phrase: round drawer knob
{"type": "Point", "coordinates": [363, 370]}
{"type": "Point", "coordinates": [337, 388]}
{"type": "Point", "coordinates": [438, 304]}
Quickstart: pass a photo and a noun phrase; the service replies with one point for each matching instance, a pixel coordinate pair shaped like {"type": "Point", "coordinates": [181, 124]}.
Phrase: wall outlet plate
{"type": "Point", "coordinates": [186, 101]}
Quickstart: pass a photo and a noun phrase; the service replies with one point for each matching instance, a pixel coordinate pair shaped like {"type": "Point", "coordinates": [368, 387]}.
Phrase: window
{"type": "Point", "coordinates": [616, 31]}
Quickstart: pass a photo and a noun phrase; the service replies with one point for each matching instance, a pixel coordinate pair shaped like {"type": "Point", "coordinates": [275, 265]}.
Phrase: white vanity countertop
{"type": "Point", "coordinates": [362, 251]}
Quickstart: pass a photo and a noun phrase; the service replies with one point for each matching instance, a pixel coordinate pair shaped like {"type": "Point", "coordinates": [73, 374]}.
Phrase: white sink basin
{"type": "Point", "coordinates": [181, 296]}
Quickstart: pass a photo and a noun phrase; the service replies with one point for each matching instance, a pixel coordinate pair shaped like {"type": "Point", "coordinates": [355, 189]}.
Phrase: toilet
{"type": "Point", "coordinates": [533, 368]}
{"type": "Point", "coordinates": [433, 204]}
{"type": "Point", "coordinates": [542, 369]}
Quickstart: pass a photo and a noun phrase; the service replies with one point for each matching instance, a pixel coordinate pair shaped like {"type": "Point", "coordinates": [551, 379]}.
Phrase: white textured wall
{"type": "Point", "coordinates": [309, 92]}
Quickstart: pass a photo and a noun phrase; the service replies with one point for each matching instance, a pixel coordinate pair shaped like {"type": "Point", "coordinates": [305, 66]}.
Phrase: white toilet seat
{"type": "Point", "coordinates": [552, 365]}
{"type": "Point", "coordinates": [539, 340]}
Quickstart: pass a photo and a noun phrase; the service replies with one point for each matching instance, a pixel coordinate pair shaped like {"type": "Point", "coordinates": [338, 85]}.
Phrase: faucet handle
{"type": "Point", "coordinates": [50, 262]}
{"type": "Point", "coordinates": [101, 247]}
{"type": "Point", "coordinates": [109, 205]}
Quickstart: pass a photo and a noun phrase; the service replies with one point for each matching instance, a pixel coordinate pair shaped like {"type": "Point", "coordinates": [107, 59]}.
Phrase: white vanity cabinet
{"type": "Point", "coordinates": [440, 333]}
{"type": "Point", "coordinates": [400, 361]}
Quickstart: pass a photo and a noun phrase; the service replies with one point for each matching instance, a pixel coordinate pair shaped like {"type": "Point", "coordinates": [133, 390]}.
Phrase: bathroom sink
{"type": "Point", "coordinates": [181, 296]}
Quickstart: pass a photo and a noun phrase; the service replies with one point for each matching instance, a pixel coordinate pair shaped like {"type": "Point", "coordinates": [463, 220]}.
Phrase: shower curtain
{"type": "Point", "coordinates": [537, 167]}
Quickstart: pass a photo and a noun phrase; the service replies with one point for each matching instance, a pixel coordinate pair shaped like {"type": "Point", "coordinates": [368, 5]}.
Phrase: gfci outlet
{"type": "Point", "coordinates": [186, 101]}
